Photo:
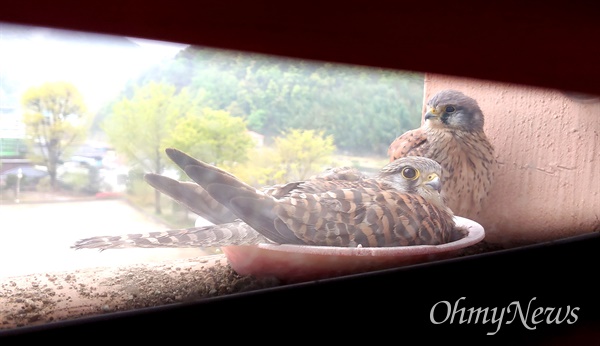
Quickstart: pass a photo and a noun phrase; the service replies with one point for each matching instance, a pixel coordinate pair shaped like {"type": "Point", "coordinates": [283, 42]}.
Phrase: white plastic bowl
{"type": "Point", "coordinates": [296, 263]}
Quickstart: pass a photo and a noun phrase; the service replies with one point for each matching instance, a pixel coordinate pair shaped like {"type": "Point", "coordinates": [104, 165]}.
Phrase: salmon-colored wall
{"type": "Point", "coordinates": [548, 149]}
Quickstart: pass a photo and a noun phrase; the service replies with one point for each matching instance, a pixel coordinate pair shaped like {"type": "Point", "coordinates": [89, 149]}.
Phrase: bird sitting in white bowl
{"type": "Point", "coordinates": [304, 228]}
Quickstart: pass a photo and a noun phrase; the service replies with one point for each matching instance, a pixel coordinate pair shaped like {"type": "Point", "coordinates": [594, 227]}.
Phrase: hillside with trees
{"type": "Point", "coordinates": [364, 109]}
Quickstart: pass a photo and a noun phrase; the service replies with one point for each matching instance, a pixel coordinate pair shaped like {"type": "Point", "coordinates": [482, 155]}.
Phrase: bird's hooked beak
{"type": "Point", "coordinates": [432, 113]}
{"type": "Point", "coordinates": [433, 180]}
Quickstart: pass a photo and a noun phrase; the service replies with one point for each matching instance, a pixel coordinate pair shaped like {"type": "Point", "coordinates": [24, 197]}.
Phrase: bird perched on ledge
{"type": "Point", "coordinates": [400, 206]}
{"type": "Point", "coordinates": [453, 136]}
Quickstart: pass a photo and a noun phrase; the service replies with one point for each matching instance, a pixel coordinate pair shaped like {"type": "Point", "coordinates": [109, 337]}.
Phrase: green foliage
{"type": "Point", "coordinates": [157, 117]}
{"type": "Point", "coordinates": [363, 108]}
{"type": "Point", "coordinates": [141, 126]}
{"type": "Point", "coordinates": [262, 170]}
{"type": "Point", "coordinates": [79, 178]}
{"type": "Point", "coordinates": [212, 136]}
{"type": "Point", "coordinates": [25, 183]}
{"type": "Point", "coordinates": [75, 181]}
{"type": "Point", "coordinates": [303, 152]}
{"type": "Point", "coordinates": [296, 155]}
{"type": "Point", "coordinates": [56, 120]}
{"type": "Point", "coordinates": [44, 185]}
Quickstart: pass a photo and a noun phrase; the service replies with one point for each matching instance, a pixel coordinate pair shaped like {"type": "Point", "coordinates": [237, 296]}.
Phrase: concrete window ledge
{"type": "Point", "coordinates": [46, 297]}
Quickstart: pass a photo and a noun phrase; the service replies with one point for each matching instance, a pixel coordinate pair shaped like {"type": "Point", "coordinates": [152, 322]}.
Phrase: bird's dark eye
{"type": "Point", "coordinates": [450, 109]}
{"type": "Point", "coordinates": [410, 173]}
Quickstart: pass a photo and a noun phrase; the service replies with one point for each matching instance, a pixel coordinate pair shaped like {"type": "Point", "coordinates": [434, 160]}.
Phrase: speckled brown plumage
{"type": "Point", "coordinates": [341, 207]}
{"type": "Point", "coordinates": [453, 136]}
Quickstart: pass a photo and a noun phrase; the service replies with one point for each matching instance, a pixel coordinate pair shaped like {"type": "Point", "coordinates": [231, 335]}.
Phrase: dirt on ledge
{"type": "Point", "coordinates": [42, 298]}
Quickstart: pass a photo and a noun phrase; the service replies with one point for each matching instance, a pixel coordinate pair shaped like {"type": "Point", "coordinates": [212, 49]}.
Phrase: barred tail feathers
{"type": "Point", "coordinates": [234, 233]}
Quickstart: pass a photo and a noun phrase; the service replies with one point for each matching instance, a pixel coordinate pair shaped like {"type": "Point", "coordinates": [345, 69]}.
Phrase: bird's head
{"type": "Point", "coordinates": [453, 109]}
{"type": "Point", "coordinates": [417, 175]}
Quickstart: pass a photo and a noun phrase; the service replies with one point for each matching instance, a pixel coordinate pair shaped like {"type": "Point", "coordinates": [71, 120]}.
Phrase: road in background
{"type": "Point", "coordinates": [36, 238]}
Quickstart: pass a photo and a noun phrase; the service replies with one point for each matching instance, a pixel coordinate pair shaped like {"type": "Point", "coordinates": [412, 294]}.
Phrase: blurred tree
{"type": "Point", "coordinates": [212, 136]}
{"type": "Point", "coordinates": [295, 155]}
{"type": "Point", "coordinates": [56, 120]}
{"type": "Point", "coordinates": [302, 153]}
{"type": "Point", "coordinates": [141, 127]}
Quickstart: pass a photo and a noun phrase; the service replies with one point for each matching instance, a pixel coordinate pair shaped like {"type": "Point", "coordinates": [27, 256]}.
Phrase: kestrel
{"type": "Point", "coordinates": [453, 136]}
{"type": "Point", "coordinates": [400, 206]}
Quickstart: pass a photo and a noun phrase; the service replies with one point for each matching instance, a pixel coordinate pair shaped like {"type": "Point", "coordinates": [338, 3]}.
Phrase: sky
{"type": "Point", "coordinates": [98, 65]}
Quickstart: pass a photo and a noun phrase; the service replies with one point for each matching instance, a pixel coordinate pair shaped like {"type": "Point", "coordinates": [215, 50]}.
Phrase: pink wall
{"type": "Point", "coordinates": [548, 148]}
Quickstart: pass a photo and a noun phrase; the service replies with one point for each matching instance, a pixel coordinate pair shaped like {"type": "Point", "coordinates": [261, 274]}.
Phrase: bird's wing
{"type": "Point", "coordinates": [223, 187]}
{"type": "Point", "coordinates": [256, 209]}
{"type": "Point", "coordinates": [183, 160]}
{"type": "Point", "coordinates": [234, 233]}
{"type": "Point", "coordinates": [343, 217]}
{"type": "Point", "coordinates": [338, 177]}
{"type": "Point", "coordinates": [192, 196]}
{"type": "Point", "coordinates": [410, 143]}
{"type": "Point", "coordinates": [370, 218]}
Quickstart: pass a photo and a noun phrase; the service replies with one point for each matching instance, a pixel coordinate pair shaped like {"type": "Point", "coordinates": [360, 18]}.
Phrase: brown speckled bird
{"type": "Point", "coordinates": [453, 136]}
{"type": "Point", "coordinates": [342, 207]}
